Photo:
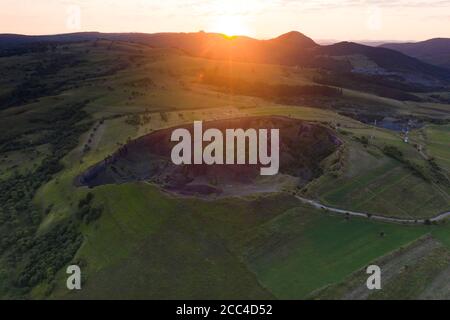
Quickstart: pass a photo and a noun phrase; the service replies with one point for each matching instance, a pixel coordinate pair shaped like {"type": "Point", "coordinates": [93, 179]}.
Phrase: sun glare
{"type": "Point", "coordinates": [230, 26]}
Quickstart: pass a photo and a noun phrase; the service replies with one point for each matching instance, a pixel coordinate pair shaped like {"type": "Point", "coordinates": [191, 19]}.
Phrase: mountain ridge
{"type": "Point", "coordinates": [292, 49]}
{"type": "Point", "coordinates": [434, 51]}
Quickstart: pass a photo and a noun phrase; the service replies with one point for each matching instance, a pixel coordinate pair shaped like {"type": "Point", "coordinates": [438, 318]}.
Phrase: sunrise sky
{"type": "Point", "coordinates": [319, 19]}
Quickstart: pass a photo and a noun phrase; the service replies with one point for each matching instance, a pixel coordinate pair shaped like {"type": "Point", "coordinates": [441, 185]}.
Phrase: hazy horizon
{"type": "Point", "coordinates": [318, 41]}
{"type": "Point", "coordinates": [322, 20]}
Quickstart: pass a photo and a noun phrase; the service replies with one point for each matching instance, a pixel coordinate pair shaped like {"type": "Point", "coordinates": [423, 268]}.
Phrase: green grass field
{"type": "Point", "coordinates": [438, 144]}
{"type": "Point", "coordinates": [265, 249]}
{"type": "Point", "coordinates": [303, 250]}
{"type": "Point", "coordinates": [415, 271]}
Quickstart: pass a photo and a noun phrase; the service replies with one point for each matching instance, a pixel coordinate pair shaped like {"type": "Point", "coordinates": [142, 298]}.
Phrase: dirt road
{"type": "Point", "coordinates": [318, 205]}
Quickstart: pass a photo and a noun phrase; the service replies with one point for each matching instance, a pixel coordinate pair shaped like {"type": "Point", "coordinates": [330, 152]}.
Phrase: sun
{"type": "Point", "coordinates": [230, 26]}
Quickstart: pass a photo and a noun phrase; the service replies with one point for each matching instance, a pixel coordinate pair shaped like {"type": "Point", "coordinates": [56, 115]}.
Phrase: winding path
{"type": "Point", "coordinates": [318, 205]}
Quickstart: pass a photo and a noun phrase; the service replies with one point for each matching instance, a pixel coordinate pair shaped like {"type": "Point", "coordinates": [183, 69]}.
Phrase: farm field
{"type": "Point", "coordinates": [416, 271]}
{"type": "Point", "coordinates": [438, 142]}
{"type": "Point", "coordinates": [269, 252]}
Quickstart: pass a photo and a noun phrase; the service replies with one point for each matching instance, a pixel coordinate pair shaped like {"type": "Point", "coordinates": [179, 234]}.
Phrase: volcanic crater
{"type": "Point", "coordinates": [303, 145]}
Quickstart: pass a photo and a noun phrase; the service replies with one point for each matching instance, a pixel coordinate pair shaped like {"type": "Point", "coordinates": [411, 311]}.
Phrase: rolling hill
{"type": "Point", "coordinates": [69, 106]}
{"type": "Point", "coordinates": [290, 49]}
{"type": "Point", "coordinates": [435, 51]}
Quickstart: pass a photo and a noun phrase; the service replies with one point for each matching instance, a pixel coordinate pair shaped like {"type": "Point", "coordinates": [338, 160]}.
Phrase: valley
{"type": "Point", "coordinates": [165, 232]}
